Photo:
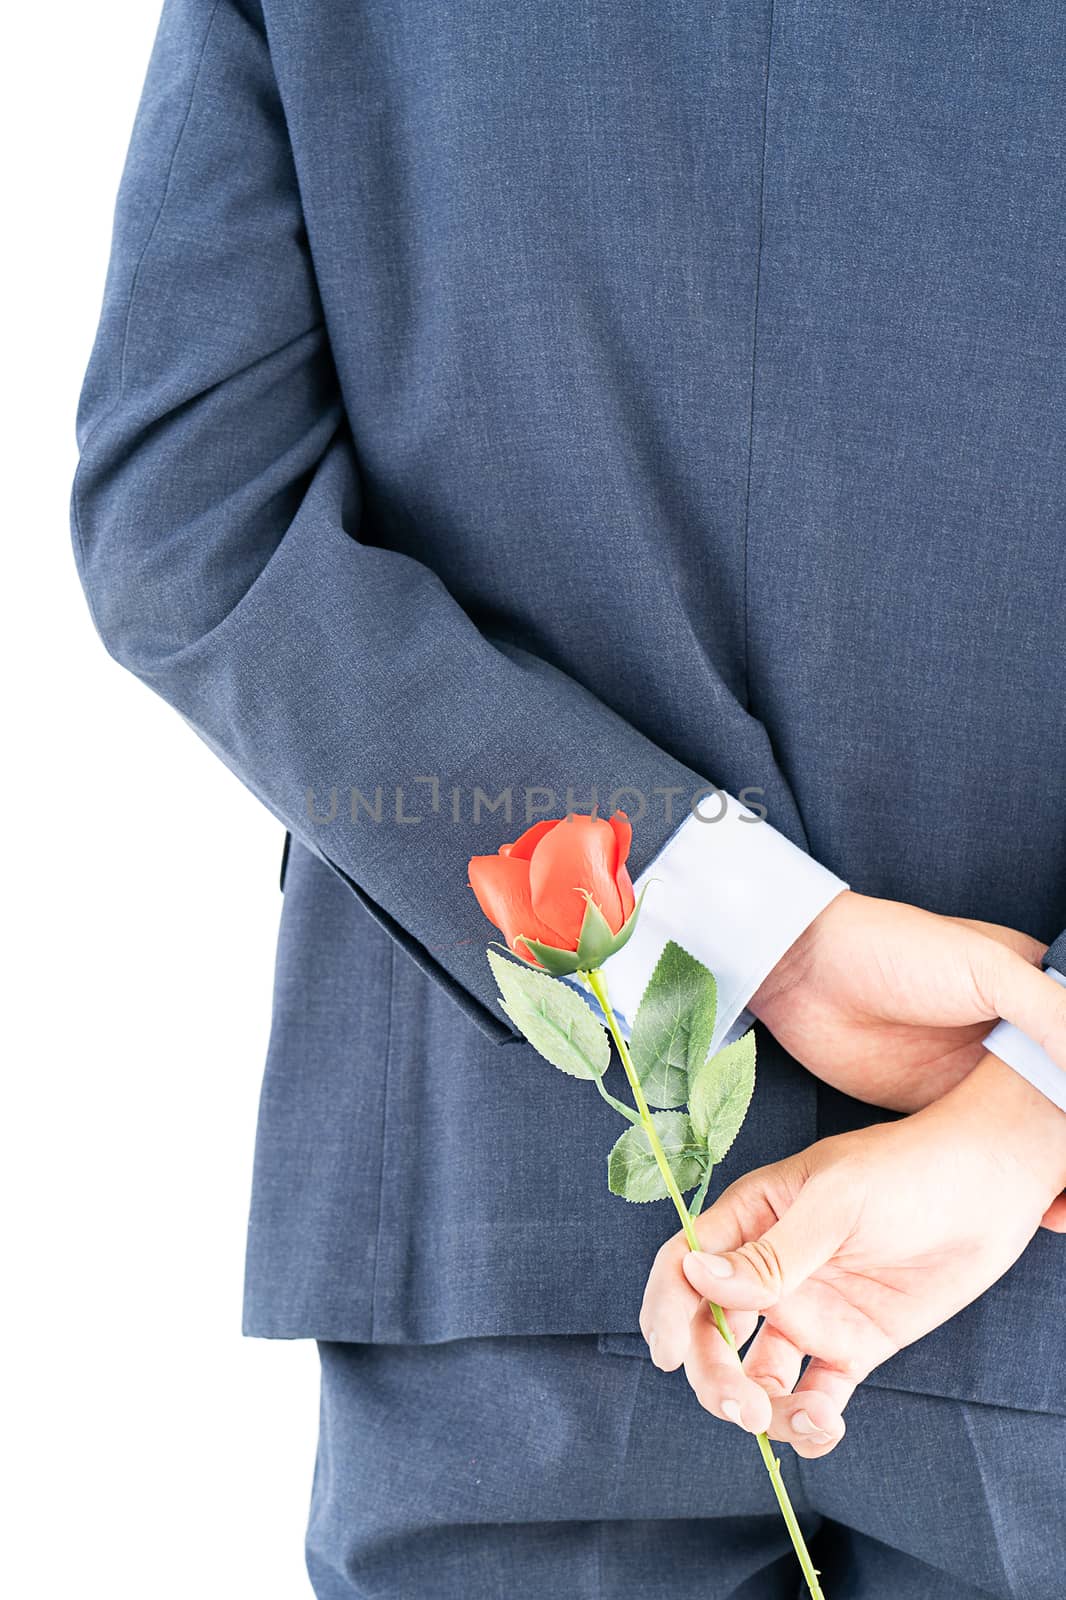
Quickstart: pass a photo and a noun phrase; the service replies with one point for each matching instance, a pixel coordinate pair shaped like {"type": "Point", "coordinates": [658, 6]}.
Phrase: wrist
{"type": "Point", "coordinates": [1015, 1117]}
{"type": "Point", "coordinates": [795, 967]}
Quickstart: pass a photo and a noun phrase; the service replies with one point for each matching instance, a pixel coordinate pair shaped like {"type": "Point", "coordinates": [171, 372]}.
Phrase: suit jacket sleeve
{"type": "Point", "coordinates": [217, 524]}
{"type": "Point", "coordinates": [1055, 960]}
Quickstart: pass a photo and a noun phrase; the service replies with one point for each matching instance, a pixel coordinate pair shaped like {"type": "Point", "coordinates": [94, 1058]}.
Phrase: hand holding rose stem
{"type": "Point", "coordinates": [563, 899]}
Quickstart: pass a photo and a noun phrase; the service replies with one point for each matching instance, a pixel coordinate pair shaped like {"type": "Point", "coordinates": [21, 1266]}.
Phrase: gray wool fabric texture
{"type": "Point", "coordinates": [570, 1466]}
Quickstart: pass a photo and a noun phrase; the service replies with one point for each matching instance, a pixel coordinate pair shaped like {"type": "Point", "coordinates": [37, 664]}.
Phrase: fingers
{"type": "Point", "coordinates": [668, 1307]}
{"type": "Point", "coordinates": [718, 1379]}
{"type": "Point", "coordinates": [824, 1382]}
{"type": "Point", "coordinates": [761, 1393]}
{"type": "Point", "coordinates": [819, 1399]}
{"type": "Point", "coordinates": [773, 1362]}
{"type": "Point", "coordinates": [761, 1270]}
{"type": "Point", "coordinates": [1022, 944]}
{"type": "Point", "coordinates": [743, 1248]}
{"type": "Point", "coordinates": [669, 1348]}
{"type": "Point", "coordinates": [1023, 994]}
{"type": "Point", "coordinates": [1054, 1218]}
{"type": "Point", "coordinates": [810, 1432]}
{"type": "Point", "coordinates": [753, 1253]}
{"type": "Point", "coordinates": [670, 1301]}
{"type": "Point", "coordinates": [805, 1414]}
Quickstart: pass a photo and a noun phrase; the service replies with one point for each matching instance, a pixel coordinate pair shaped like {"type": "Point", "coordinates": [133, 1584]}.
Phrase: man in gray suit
{"type": "Point", "coordinates": [504, 411]}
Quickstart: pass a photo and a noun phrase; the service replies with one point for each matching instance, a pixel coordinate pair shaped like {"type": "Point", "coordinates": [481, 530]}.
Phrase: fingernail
{"type": "Point", "coordinates": [802, 1424]}
{"type": "Point", "coordinates": [731, 1410]}
{"type": "Point", "coordinates": [717, 1266]}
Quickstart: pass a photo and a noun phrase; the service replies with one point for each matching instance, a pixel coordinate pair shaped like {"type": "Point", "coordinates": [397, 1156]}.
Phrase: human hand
{"type": "Point", "coordinates": [853, 1249]}
{"type": "Point", "coordinates": [890, 1003]}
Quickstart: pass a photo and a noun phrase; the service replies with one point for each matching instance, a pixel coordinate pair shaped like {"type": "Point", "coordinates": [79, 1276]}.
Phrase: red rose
{"type": "Point", "coordinates": [541, 885]}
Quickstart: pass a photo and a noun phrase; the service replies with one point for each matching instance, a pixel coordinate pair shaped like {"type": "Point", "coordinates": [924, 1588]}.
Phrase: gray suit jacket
{"type": "Point", "coordinates": [581, 399]}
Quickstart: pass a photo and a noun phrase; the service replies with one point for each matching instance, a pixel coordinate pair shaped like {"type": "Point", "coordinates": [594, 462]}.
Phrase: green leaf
{"type": "Point", "coordinates": [632, 1170]}
{"type": "Point", "coordinates": [673, 1026]}
{"type": "Point", "coordinates": [553, 1017]}
{"type": "Point", "coordinates": [695, 1205]}
{"type": "Point", "coordinates": [720, 1094]}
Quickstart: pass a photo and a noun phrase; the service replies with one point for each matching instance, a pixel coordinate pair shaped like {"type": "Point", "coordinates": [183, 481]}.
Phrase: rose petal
{"type": "Point", "coordinates": [623, 832]}
{"type": "Point", "coordinates": [501, 885]}
{"type": "Point", "coordinates": [580, 854]}
{"type": "Point", "coordinates": [527, 842]}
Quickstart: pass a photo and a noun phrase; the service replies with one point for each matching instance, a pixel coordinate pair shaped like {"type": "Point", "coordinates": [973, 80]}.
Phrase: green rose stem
{"type": "Point", "coordinates": [596, 982]}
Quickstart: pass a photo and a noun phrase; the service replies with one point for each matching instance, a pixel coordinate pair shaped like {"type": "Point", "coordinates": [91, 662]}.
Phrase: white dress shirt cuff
{"type": "Point", "coordinates": [734, 893]}
{"type": "Point", "coordinates": [1016, 1048]}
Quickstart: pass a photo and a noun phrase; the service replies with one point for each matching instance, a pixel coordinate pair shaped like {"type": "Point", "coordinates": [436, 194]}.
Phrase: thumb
{"type": "Point", "coordinates": [1023, 994]}
{"type": "Point", "coordinates": [763, 1269]}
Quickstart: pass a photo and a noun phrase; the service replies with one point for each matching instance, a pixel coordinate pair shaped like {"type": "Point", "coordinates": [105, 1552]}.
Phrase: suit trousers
{"type": "Point", "coordinates": [570, 1468]}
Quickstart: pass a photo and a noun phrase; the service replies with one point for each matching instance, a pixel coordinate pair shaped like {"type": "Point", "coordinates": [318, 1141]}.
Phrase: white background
{"type": "Point", "coordinates": [149, 1451]}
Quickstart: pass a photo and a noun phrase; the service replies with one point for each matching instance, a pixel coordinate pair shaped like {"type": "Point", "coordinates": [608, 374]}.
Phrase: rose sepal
{"type": "Point", "coordinates": [595, 942]}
